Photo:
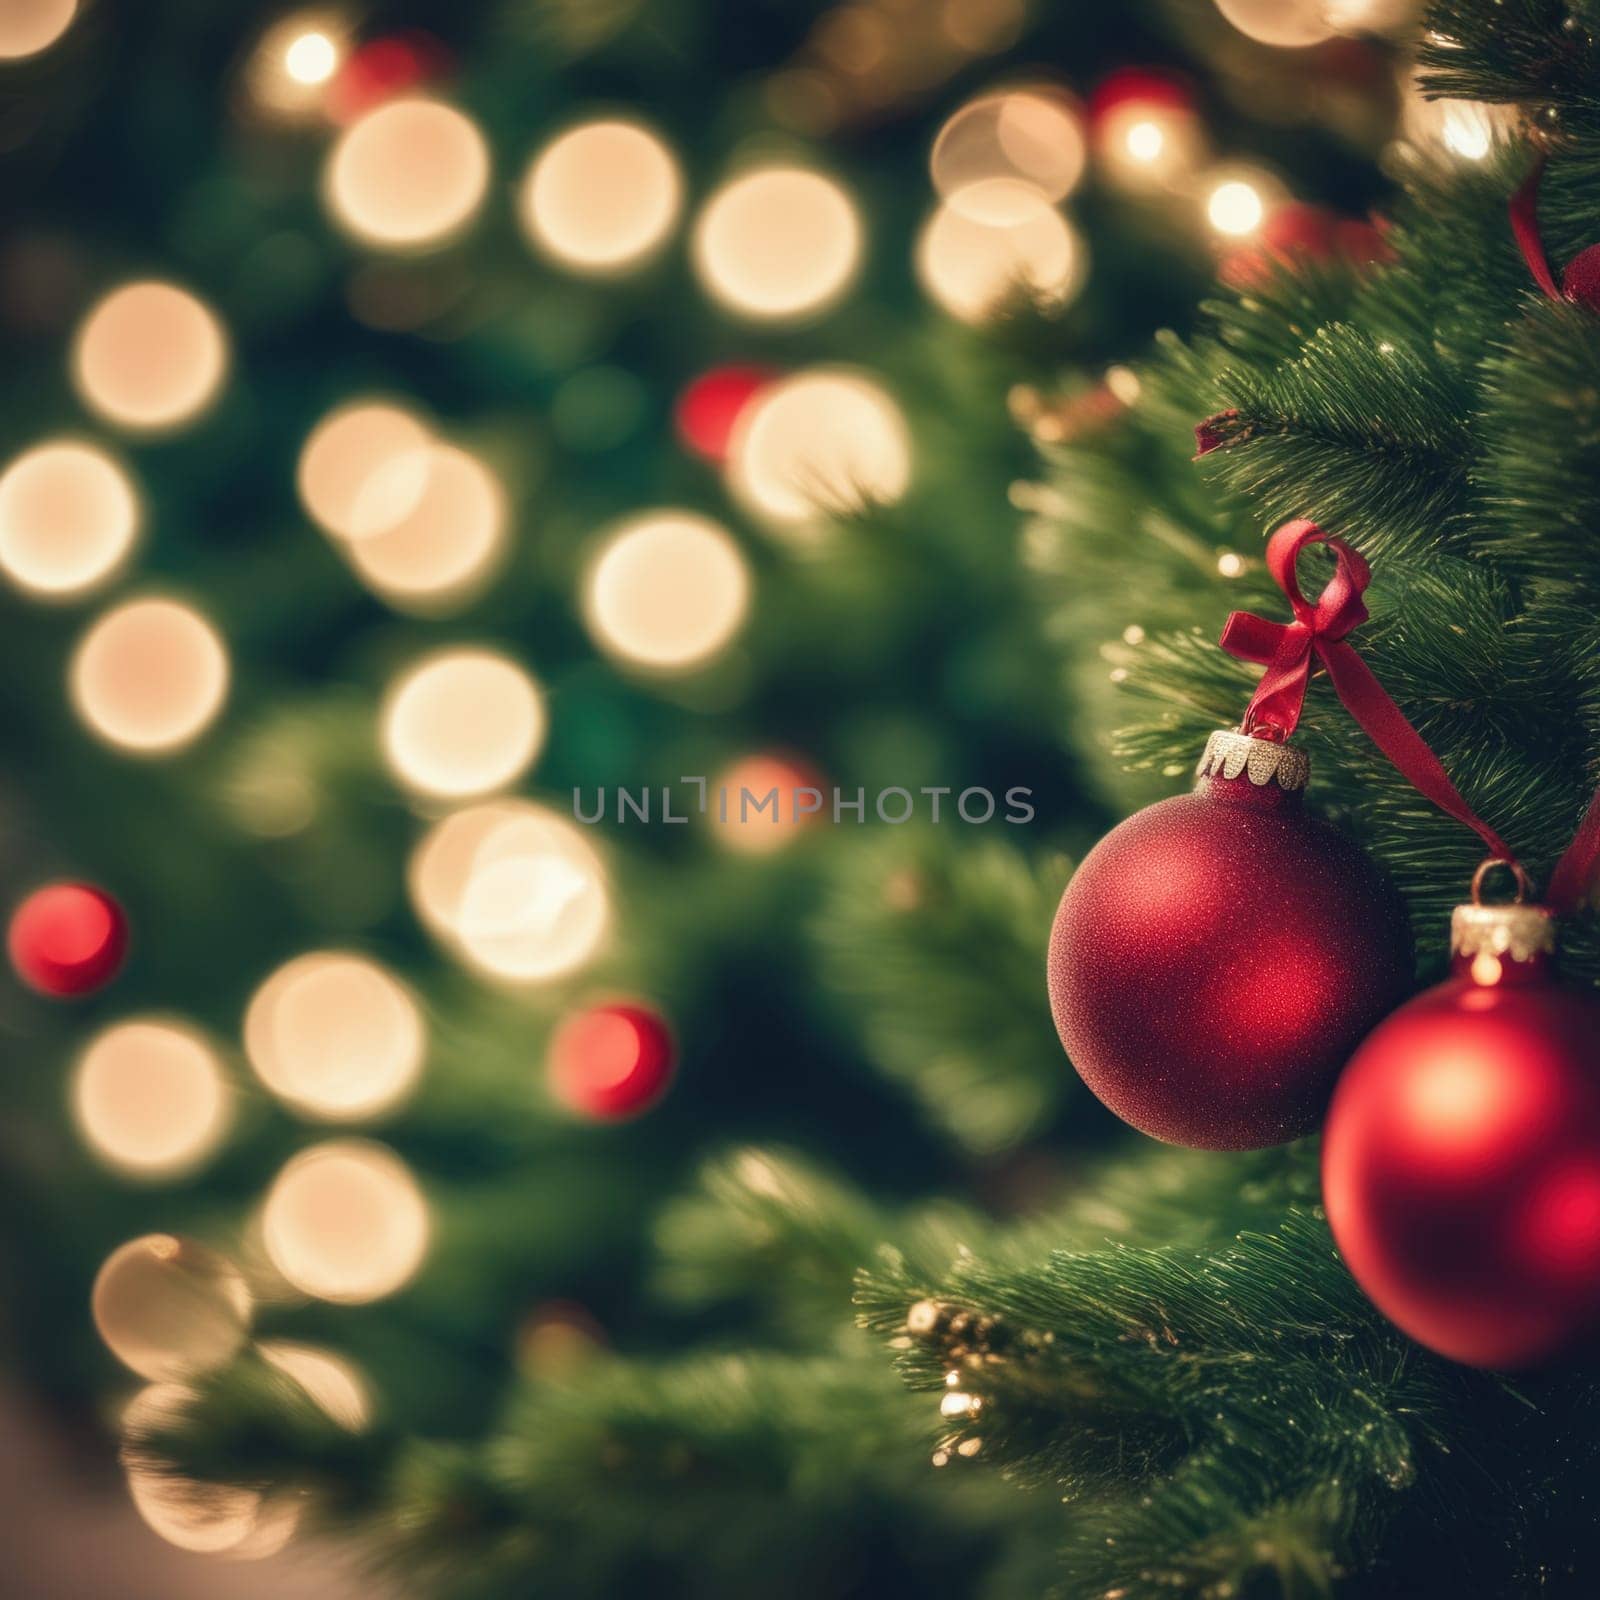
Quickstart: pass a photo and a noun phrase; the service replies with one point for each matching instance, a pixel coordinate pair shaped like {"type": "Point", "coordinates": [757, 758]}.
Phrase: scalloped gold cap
{"type": "Point", "coordinates": [1229, 753]}
{"type": "Point", "coordinates": [1518, 931]}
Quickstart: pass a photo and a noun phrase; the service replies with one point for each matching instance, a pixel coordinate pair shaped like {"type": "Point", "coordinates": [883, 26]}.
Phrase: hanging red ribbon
{"type": "Point", "coordinates": [1525, 226]}
{"type": "Point", "coordinates": [1291, 651]}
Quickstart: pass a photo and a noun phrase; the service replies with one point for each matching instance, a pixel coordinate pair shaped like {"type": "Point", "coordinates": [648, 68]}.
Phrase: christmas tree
{"type": "Point", "coordinates": [531, 1202]}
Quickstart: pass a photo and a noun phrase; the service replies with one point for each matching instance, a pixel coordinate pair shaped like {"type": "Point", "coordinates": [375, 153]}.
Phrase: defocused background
{"type": "Point", "coordinates": [417, 415]}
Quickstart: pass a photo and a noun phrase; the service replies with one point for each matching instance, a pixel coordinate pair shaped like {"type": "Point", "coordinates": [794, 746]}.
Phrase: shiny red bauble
{"type": "Point", "coordinates": [1218, 955]}
{"type": "Point", "coordinates": [1461, 1162]}
{"type": "Point", "coordinates": [709, 408]}
{"type": "Point", "coordinates": [611, 1062]}
{"type": "Point", "coordinates": [67, 939]}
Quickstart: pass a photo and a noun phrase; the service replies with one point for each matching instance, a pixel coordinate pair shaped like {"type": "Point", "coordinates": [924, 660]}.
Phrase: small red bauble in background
{"type": "Point", "coordinates": [708, 407]}
{"type": "Point", "coordinates": [762, 802]}
{"type": "Point", "coordinates": [67, 939]}
{"type": "Point", "coordinates": [1581, 280]}
{"type": "Point", "coordinates": [1296, 232]}
{"type": "Point", "coordinates": [383, 68]}
{"type": "Point", "coordinates": [1146, 88]}
{"type": "Point", "coordinates": [1461, 1161]}
{"type": "Point", "coordinates": [1217, 956]}
{"type": "Point", "coordinates": [1143, 127]}
{"type": "Point", "coordinates": [611, 1062]}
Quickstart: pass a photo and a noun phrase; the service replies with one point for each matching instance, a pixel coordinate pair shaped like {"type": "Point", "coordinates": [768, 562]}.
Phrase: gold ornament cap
{"type": "Point", "coordinates": [1229, 753]}
{"type": "Point", "coordinates": [1510, 929]}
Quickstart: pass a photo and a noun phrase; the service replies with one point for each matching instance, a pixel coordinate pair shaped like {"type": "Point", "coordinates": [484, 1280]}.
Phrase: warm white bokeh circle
{"type": "Point", "coordinates": [68, 518]}
{"type": "Point", "coordinates": [150, 1098]}
{"type": "Point", "coordinates": [777, 243]}
{"type": "Point", "coordinates": [168, 1307]}
{"type": "Point", "coordinates": [205, 1518]}
{"type": "Point", "coordinates": [407, 175]}
{"type": "Point", "coordinates": [823, 442]}
{"type": "Point", "coordinates": [514, 890]}
{"type": "Point", "coordinates": [973, 268]}
{"type": "Point", "coordinates": [438, 555]}
{"type": "Point", "coordinates": [336, 1036]}
{"type": "Point", "coordinates": [149, 676]}
{"type": "Point", "coordinates": [1003, 153]}
{"type": "Point", "coordinates": [346, 1221]}
{"type": "Point", "coordinates": [334, 1384]}
{"type": "Point", "coordinates": [29, 26]}
{"type": "Point", "coordinates": [601, 197]}
{"type": "Point", "coordinates": [462, 723]}
{"type": "Point", "coordinates": [363, 468]}
{"type": "Point", "coordinates": [667, 590]}
{"type": "Point", "coordinates": [311, 57]}
{"type": "Point", "coordinates": [1289, 24]}
{"type": "Point", "coordinates": [149, 356]}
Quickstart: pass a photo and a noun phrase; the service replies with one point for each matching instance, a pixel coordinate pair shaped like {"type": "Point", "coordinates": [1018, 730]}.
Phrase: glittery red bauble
{"type": "Point", "coordinates": [1217, 956]}
{"type": "Point", "coordinates": [1581, 280]}
{"type": "Point", "coordinates": [611, 1062]}
{"type": "Point", "coordinates": [67, 939]}
{"type": "Point", "coordinates": [709, 407]}
{"type": "Point", "coordinates": [1461, 1164]}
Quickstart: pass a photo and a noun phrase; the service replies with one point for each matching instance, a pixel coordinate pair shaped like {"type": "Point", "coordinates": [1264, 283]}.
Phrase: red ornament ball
{"type": "Point", "coordinates": [1581, 280]}
{"type": "Point", "coordinates": [708, 409]}
{"type": "Point", "coordinates": [383, 68]}
{"type": "Point", "coordinates": [1149, 88]}
{"type": "Point", "coordinates": [611, 1062]}
{"type": "Point", "coordinates": [67, 939]}
{"type": "Point", "coordinates": [1217, 956]}
{"type": "Point", "coordinates": [1461, 1162]}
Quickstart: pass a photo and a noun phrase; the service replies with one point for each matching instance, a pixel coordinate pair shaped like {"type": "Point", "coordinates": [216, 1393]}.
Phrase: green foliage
{"type": "Point", "coordinates": [933, 947]}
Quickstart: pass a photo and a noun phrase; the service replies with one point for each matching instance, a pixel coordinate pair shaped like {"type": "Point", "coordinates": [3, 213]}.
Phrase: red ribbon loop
{"type": "Point", "coordinates": [1287, 649]}
{"type": "Point", "coordinates": [1525, 228]}
{"type": "Point", "coordinates": [1317, 636]}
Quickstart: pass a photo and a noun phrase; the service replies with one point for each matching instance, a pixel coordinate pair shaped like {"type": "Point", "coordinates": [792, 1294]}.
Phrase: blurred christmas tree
{"type": "Point", "coordinates": [563, 398]}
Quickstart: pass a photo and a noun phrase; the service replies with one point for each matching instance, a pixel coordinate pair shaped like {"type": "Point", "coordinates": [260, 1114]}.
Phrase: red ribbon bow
{"type": "Point", "coordinates": [1292, 651]}
{"type": "Point", "coordinates": [1319, 631]}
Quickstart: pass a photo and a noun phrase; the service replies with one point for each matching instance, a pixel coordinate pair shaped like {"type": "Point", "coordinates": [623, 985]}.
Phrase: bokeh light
{"type": "Point", "coordinates": [822, 443]}
{"type": "Point", "coordinates": [29, 26]}
{"type": "Point", "coordinates": [336, 1036]}
{"type": "Point", "coordinates": [311, 57]}
{"type": "Point", "coordinates": [168, 1307]}
{"type": "Point", "coordinates": [1289, 24]}
{"type": "Point", "coordinates": [1001, 154]}
{"type": "Point", "coordinates": [206, 1518]}
{"type": "Point", "coordinates": [363, 468]}
{"type": "Point", "coordinates": [973, 269]}
{"type": "Point", "coordinates": [408, 175]}
{"type": "Point", "coordinates": [776, 810]}
{"type": "Point", "coordinates": [68, 519]}
{"type": "Point", "coordinates": [333, 1384]}
{"type": "Point", "coordinates": [295, 61]}
{"type": "Point", "coordinates": [602, 197]}
{"type": "Point", "coordinates": [667, 590]}
{"type": "Point", "coordinates": [513, 890]}
{"type": "Point", "coordinates": [346, 1221]}
{"type": "Point", "coordinates": [442, 551]}
{"type": "Point", "coordinates": [777, 243]}
{"type": "Point", "coordinates": [1145, 131]}
{"type": "Point", "coordinates": [708, 407]}
{"type": "Point", "coordinates": [462, 723]}
{"type": "Point", "coordinates": [150, 1098]}
{"type": "Point", "coordinates": [149, 356]}
{"type": "Point", "coordinates": [149, 676]}
{"type": "Point", "coordinates": [1237, 200]}
{"type": "Point", "coordinates": [1458, 130]}
{"type": "Point", "coordinates": [611, 1061]}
